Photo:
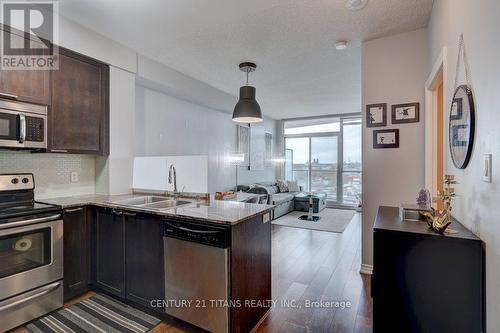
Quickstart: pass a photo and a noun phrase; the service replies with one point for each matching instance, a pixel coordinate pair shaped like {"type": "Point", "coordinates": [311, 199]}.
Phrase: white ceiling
{"type": "Point", "coordinates": [292, 41]}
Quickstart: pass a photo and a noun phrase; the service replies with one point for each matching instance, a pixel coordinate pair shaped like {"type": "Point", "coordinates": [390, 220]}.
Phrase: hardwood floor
{"type": "Point", "coordinates": [315, 265]}
{"type": "Point", "coordinates": [311, 265]}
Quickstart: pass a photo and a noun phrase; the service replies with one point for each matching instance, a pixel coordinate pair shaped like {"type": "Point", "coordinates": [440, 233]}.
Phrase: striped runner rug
{"type": "Point", "coordinates": [99, 313]}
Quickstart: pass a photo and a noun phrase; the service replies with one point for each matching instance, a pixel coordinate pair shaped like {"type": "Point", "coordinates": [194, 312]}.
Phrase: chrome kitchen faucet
{"type": "Point", "coordinates": [171, 171]}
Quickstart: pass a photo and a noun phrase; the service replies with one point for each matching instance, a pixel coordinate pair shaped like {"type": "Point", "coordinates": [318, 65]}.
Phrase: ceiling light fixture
{"type": "Point", "coordinates": [341, 44]}
{"type": "Point", "coordinates": [247, 110]}
{"type": "Point", "coordinates": [355, 5]}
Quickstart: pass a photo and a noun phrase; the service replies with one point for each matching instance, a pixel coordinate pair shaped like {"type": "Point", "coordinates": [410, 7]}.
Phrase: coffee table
{"type": "Point", "coordinates": [302, 201]}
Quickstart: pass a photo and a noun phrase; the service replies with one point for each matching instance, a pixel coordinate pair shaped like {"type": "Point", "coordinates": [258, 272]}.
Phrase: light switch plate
{"type": "Point", "coordinates": [74, 177]}
{"type": "Point", "coordinates": [487, 168]}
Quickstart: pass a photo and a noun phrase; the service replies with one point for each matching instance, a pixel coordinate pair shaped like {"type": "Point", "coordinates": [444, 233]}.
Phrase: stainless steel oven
{"type": "Point", "coordinates": [22, 125]}
{"type": "Point", "coordinates": [31, 270]}
{"type": "Point", "coordinates": [31, 253]}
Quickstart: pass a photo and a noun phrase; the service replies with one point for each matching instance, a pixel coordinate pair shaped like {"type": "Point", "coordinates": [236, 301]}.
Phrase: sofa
{"type": "Point", "coordinates": [284, 202]}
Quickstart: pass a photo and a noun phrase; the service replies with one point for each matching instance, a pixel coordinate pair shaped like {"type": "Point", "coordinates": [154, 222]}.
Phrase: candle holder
{"type": "Point", "coordinates": [439, 220]}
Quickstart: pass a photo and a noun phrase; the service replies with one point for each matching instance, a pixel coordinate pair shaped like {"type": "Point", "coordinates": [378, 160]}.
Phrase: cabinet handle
{"type": "Point", "coordinates": [129, 214]}
{"type": "Point", "coordinates": [73, 210]}
{"type": "Point", "coordinates": [58, 151]}
{"type": "Point", "coordinates": [9, 96]}
{"type": "Point", "coordinates": [117, 212]}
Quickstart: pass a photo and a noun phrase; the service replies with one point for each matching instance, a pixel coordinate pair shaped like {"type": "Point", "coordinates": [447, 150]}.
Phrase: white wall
{"type": "Point", "coordinates": [166, 125]}
{"type": "Point", "coordinates": [476, 205]}
{"type": "Point", "coordinates": [114, 172]}
{"type": "Point", "coordinates": [393, 72]}
{"type": "Point", "coordinates": [159, 77]}
{"type": "Point", "coordinates": [80, 39]}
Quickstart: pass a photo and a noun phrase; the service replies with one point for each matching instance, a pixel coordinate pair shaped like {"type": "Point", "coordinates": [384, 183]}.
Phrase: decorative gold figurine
{"type": "Point", "coordinates": [439, 220]}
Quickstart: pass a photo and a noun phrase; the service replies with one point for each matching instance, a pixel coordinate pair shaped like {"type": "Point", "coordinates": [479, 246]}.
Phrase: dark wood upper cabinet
{"type": "Point", "coordinates": [79, 116]}
{"type": "Point", "coordinates": [109, 252]}
{"type": "Point", "coordinates": [31, 86]}
{"type": "Point", "coordinates": [144, 258]}
{"type": "Point", "coordinates": [76, 252]}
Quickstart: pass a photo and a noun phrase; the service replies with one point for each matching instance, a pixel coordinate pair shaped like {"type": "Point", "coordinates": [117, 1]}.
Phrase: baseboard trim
{"type": "Point", "coordinates": [366, 269]}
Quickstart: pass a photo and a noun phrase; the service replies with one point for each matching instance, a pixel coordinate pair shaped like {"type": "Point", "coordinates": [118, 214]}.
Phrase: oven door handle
{"type": "Point", "coordinates": [22, 128]}
{"type": "Point", "coordinates": [47, 289]}
{"type": "Point", "coordinates": [31, 221]}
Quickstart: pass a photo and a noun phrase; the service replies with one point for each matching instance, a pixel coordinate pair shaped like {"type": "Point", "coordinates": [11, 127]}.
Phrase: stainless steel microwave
{"type": "Point", "coordinates": [22, 125]}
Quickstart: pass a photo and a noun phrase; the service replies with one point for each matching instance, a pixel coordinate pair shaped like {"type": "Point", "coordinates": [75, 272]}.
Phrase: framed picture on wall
{"type": "Point", "coordinates": [269, 149]}
{"type": "Point", "coordinates": [376, 115]}
{"type": "Point", "coordinates": [388, 138]}
{"type": "Point", "coordinates": [243, 133]}
{"type": "Point", "coordinates": [405, 113]}
{"type": "Point", "coordinates": [257, 147]}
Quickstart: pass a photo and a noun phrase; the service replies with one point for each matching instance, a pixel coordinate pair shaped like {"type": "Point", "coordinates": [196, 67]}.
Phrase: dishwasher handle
{"type": "Point", "coordinates": [206, 232]}
{"type": "Point", "coordinates": [199, 233]}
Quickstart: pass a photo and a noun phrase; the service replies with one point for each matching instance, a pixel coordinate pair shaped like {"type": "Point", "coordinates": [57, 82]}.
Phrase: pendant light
{"type": "Point", "coordinates": [247, 110]}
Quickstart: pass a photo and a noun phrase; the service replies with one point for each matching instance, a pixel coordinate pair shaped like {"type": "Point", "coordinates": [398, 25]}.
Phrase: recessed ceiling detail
{"type": "Point", "coordinates": [300, 72]}
{"type": "Point", "coordinates": [355, 5]}
{"type": "Point", "coordinates": [341, 45]}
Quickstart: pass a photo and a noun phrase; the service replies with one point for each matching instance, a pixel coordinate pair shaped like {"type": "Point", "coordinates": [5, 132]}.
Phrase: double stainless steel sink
{"type": "Point", "coordinates": [151, 202]}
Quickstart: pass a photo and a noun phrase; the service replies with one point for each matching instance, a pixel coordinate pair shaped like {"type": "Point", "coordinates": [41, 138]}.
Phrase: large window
{"type": "Point", "coordinates": [324, 165]}
{"type": "Point", "coordinates": [300, 161]}
{"type": "Point", "coordinates": [351, 169]}
{"type": "Point", "coordinates": [324, 155]}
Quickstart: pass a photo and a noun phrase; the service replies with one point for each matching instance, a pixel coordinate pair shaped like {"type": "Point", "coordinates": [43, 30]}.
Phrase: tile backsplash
{"type": "Point", "coordinates": [52, 172]}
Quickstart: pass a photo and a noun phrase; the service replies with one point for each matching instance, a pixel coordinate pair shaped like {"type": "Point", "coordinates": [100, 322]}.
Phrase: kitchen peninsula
{"type": "Point", "coordinates": [199, 251]}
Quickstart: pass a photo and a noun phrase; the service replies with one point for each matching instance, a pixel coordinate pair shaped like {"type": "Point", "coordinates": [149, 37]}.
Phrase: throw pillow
{"type": "Point", "coordinates": [293, 186]}
{"type": "Point", "coordinates": [282, 185]}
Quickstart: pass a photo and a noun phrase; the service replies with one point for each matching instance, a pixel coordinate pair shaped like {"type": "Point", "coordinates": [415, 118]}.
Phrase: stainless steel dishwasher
{"type": "Point", "coordinates": [197, 274]}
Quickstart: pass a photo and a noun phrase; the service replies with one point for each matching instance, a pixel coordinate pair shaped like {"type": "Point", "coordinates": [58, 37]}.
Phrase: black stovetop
{"type": "Point", "coordinates": [17, 197]}
{"type": "Point", "coordinates": [20, 209]}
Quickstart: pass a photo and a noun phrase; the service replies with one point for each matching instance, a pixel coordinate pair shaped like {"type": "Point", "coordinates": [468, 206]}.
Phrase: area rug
{"type": "Point", "coordinates": [332, 220]}
{"type": "Point", "coordinates": [99, 313]}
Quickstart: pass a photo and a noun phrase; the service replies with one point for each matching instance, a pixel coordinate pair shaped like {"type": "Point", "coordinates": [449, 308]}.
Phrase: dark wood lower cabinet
{"type": "Point", "coordinates": [76, 252]}
{"type": "Point", "coordinates": [127, 260]}
{"type": "Point", "coordinates": [250, 266]}
{"type": "Point", "coordinates": [143, 258]}
{"type": "Point", "coordinates": [109, 256]}
{"type": "Point", "coordinates": [128, 255]}
{"type": "Point", "coordinates": [426, 282]}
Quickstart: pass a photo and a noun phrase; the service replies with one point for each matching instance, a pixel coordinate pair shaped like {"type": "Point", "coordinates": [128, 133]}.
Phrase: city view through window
{"type": "Point", "coordinates": [313, 159]}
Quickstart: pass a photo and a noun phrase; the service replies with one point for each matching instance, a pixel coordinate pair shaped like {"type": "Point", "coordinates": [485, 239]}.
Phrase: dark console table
{"type": "Point", "coordinates": [426, 282]}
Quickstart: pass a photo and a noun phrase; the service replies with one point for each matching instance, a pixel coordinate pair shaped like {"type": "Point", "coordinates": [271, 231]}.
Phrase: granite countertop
{"type": "Point", "coordinates": [212, 211]}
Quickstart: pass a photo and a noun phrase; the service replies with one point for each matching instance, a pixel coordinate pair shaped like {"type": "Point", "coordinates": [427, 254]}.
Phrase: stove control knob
{"type": "Point", "coordinates": [25, 180]}
{"type": "Point", "coordinates": [14, 180]}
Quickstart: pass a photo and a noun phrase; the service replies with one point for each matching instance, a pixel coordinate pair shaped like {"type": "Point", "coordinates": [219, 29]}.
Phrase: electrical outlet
{"type": "Point", "coordinates": [487, 168]}
{"type": "Point", "coordinates": [74, 177]}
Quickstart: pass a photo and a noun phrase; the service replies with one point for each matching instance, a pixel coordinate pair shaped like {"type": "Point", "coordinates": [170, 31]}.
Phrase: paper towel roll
{"type": "Point", "coordinates": [23, 244]}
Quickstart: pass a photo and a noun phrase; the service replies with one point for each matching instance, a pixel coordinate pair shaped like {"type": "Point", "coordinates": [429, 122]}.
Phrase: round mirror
{"type": "Point", "coordinates": [461, 126]}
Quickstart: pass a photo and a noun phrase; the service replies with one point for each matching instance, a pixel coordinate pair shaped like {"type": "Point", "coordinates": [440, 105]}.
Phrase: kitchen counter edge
{"type": "Point", "coordinates": [187, 212]}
